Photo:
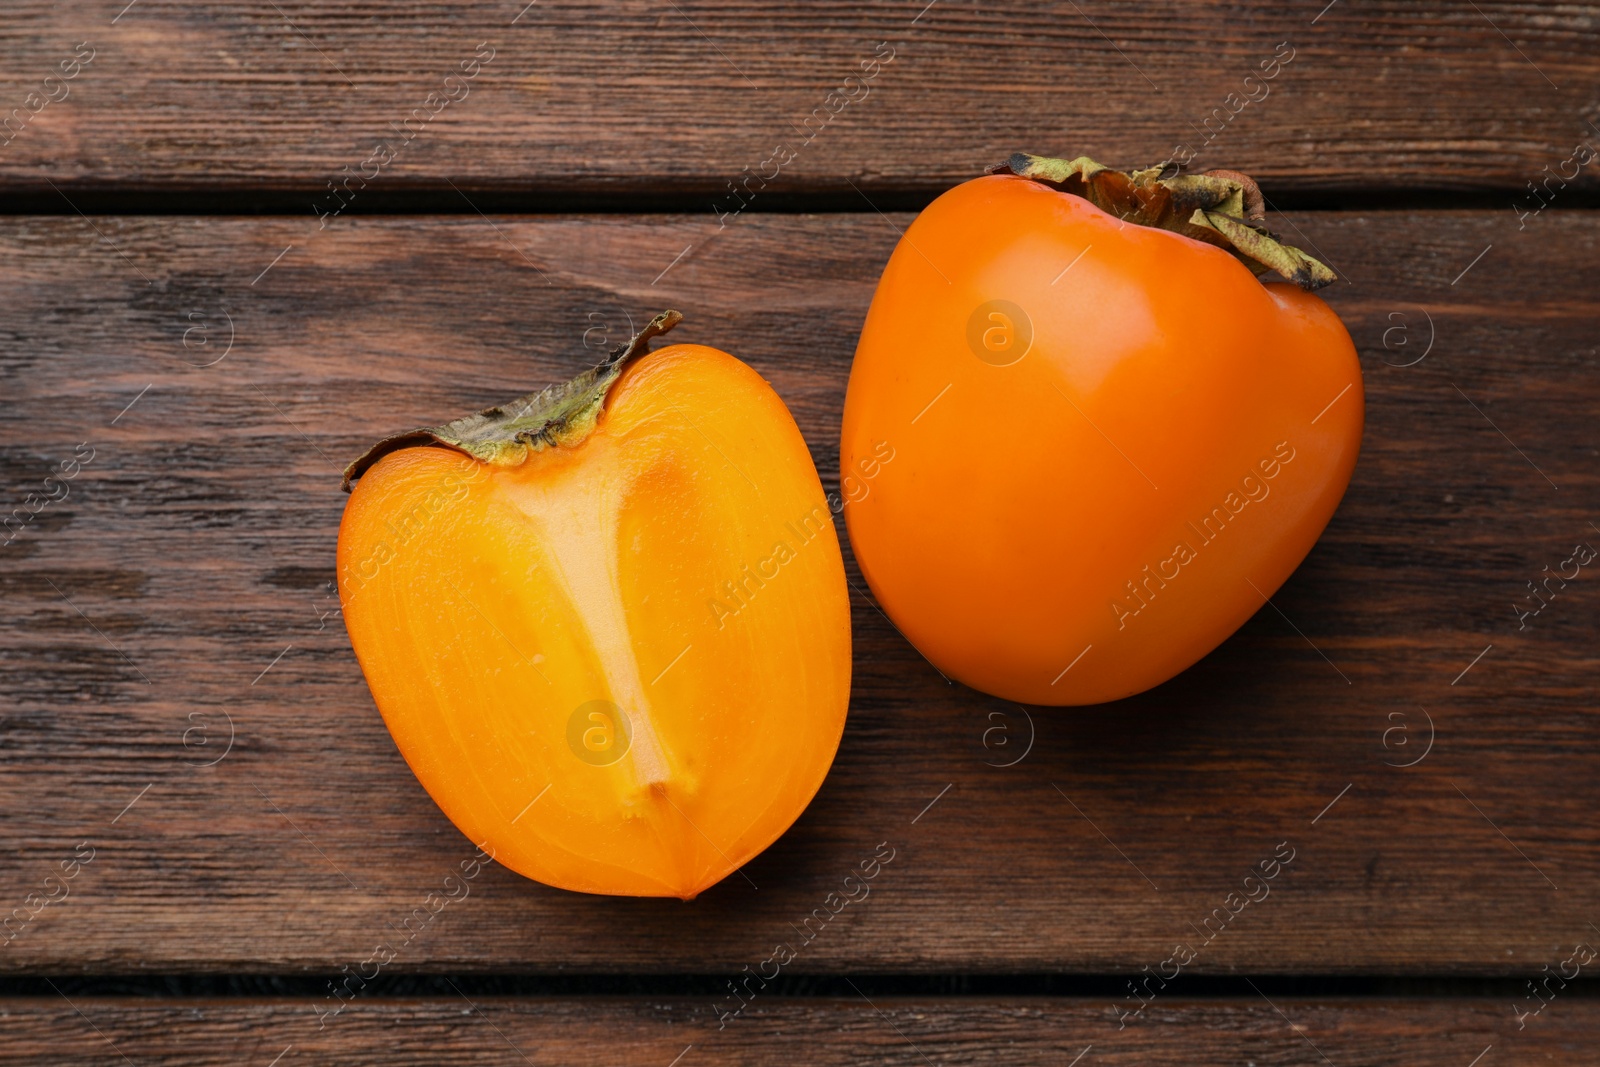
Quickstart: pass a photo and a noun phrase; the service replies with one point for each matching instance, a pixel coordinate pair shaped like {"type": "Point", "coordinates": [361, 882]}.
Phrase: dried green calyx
{"type": "Point", "coordinates": [1220, 207]}
{"type": "Point", "coordinates": [560, 415]}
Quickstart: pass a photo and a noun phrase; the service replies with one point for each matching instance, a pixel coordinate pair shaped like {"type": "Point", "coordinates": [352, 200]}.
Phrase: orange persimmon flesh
{"type": "Point", "coordinates": [677, 569]}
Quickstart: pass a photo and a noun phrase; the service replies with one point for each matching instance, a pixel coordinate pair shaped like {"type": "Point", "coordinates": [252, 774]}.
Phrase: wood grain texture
{"type": "Point", "coordinates": [679, 98]}
{"type": "Point", "coordinates": [901, 1030]}
{"type": "Point", "coordinates": [184, 583]}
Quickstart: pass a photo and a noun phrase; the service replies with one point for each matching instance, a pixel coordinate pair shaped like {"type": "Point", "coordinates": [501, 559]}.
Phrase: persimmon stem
{"type": "Point", "coordinates": [1220, 207]}
{"type": "Point", "coordinates": [557, 416]}
{"type": "Point", "coordinates": [1255, 204]}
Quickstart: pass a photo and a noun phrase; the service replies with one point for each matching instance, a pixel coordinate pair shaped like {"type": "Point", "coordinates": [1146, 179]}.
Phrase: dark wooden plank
{"type": "Point", "coordinates": [662, 99]}
{"type": "Point", "coordinates": [184, 583]}
{"type": "Point", "coordinates": [658, 1032]}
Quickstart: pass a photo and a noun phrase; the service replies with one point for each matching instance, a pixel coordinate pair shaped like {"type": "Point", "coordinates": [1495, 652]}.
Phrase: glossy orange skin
{"type": "Point", "coordinates": [1009, 537]}
{"type": "Point", "coordinates": [491, 606]}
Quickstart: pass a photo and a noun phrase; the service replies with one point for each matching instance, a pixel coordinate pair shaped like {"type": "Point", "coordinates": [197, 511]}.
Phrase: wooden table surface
{"type": "Point", "coordinates": [194, 316]}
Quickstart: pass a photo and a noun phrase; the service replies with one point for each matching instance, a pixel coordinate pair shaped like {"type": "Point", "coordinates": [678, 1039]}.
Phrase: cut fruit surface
{"type": "Point", "coordinates": [621, 665]}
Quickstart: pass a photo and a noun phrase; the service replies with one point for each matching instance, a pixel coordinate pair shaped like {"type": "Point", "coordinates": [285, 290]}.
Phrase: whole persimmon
{"type": "Point", "coordinates": [607, 625]}
{"type": "Point", "coordinates": [1111, 441]}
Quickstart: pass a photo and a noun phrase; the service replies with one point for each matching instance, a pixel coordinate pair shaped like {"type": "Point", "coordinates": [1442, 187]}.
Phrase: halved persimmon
{"type": "Point", "coordinates": [607, 626]}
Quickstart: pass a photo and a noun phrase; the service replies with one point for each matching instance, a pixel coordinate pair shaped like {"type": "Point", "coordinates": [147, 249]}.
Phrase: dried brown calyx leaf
{"type": "Point", "coordinates": [1220, 207]}
{"type": "Point", "coordinates": [559, 415]}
